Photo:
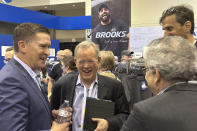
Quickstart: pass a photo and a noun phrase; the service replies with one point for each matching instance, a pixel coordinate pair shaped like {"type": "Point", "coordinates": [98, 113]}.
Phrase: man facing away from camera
{"type": "Point", "coordinates": [170, 64]}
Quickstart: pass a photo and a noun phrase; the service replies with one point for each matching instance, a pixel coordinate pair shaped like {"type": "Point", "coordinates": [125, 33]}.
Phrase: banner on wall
{"type": "Point", "coordinates": [110, 24]}
{"type": "Point", "coordinates": [142, 36]}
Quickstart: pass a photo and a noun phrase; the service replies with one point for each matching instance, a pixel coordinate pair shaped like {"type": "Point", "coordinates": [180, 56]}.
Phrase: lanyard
{"type": "Point", "coordinates": [84, 101]}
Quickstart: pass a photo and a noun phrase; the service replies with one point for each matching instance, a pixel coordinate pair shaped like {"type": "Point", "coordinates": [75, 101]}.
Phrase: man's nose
{"type": "Point", "coordinates": [86, 64]}
{"type": "Point", "coordinates": [166, 33]}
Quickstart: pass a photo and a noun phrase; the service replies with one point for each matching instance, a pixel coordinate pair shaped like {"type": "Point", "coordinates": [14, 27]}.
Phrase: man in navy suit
{"type": "Point", "coordinates": [23, 106]}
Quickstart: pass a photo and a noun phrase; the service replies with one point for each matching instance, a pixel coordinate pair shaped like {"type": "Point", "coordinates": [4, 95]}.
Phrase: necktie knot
{"type": "Point", "coordinates": [38, 80]}
{"type": "Point", "coordinates": [41, 86]}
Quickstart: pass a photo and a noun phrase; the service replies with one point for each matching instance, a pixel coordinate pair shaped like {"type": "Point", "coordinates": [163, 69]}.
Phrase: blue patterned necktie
{"type": "Point", "coordinates": [41, 86]}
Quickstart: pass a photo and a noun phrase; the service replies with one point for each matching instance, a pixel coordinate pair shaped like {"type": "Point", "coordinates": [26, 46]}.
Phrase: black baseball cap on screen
{"type": "Point", "coordinates": [103, 6]}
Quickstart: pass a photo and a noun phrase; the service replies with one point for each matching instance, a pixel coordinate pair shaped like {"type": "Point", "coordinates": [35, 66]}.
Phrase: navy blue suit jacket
{"type": "Point", "coordinates": [22, 105]}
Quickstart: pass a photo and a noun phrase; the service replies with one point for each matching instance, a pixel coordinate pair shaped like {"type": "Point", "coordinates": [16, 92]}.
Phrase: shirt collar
{"type": "Point", "coordinates": [80, 83]}
{"type": "Point", "coordinates": [164, 89]}
{"type": "Point", "coordinates": [32, 73]}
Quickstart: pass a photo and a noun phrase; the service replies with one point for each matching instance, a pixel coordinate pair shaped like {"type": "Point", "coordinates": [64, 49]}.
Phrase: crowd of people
{"type": "Point", "coordinates": [159, 97]}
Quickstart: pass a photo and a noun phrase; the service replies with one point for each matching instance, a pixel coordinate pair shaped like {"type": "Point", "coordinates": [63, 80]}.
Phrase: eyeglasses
{"type": "Point", "coordinates": [89, 62]}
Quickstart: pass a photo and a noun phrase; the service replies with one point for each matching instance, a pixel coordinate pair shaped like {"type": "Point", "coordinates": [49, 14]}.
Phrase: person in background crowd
{"type": "Point", "coordinates": [96, 86]}
{"type": "Point", "coordinates": [126, 55]}
{"type": "Point", "coordinates": [44, 79]}
{"type": "Point", "coordinates": [170, 64]}
{"type": "Point", "coordinates": [68, 65]}
{"type": "Point", "coordinates": [179, 20]}
{"type": "Point", "coordinates": [9, 53]}
{"type": "Point", "coordinates": [56, 72]}
{"type": "Point", "coordinates": [23, 104]}
{"type": "Point", "coordinates": [110, 34]}
{"type": "Point", "coordinates": [107, 64]}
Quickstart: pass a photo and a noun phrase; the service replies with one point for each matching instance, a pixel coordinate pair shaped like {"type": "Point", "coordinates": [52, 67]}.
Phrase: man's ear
{"type": "Point", "coordinates": [75, 60]}
{"type": "Point", "coordinates": [157, 76]}
{"type": "Point", "coordinates": [99, 59]}
{"type": "Point", "coordinates": [188, 26]}
{"type": "Point", "coordinates": [22, 46]}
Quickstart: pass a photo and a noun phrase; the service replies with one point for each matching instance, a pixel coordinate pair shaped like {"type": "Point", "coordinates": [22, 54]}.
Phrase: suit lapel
{"type": "Point", "coordinates": [32, 84]}
{"type": "Point", "coordinates": [102, 90]}
{"type": "Point", "coordinates": [73, 86]}
{"type": "Point", "coordinates": [39, 92]}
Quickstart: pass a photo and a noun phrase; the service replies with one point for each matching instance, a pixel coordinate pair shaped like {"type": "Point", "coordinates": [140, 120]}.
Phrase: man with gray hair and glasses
{"type": "Point", "coordinates": [171, 63]}
{"type": "Point", "coordinates": [179, 20]}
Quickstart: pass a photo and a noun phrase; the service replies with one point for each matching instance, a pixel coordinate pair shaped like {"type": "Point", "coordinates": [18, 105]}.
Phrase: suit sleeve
{"type": "Point", "coordinates": [134, 121]}
{"type": "Point", "coordinates": [121, 109]}
{"type": "Point", "coordinates": [13, 105]}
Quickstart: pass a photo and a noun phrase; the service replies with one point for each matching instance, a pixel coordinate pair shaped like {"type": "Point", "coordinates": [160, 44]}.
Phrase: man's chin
{"type": "Point", "coordinates": [105, 20]}
{"type": "Point", "coordinates": [88, 79]}
{"type": "Point", "coordinates": [41, 66]}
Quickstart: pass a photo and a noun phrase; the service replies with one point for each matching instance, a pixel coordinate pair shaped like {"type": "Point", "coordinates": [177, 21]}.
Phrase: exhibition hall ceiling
{"type": "Point", "coordinates": [46, 7]}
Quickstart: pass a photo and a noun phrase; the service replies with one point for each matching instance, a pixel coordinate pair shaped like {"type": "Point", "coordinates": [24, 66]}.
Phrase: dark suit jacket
{"type": "Point", "coordinates": [22, 105]}
{"type": "Point", "coordinates": [174, 110]}
{"type": "Point", "coordinates": [133, 89]}
{"type": "Point", "coordinates": [108, 88]}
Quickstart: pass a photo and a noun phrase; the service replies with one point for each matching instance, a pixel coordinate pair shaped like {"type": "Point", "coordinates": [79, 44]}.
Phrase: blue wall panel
{"type": "Point", "coordinates": [20, 15]}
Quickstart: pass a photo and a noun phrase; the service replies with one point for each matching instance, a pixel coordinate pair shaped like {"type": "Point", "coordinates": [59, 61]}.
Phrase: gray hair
{"type": "Point", "coordinates": [174, 57]}
{"type": "Point", "coordinates": [85, 45]}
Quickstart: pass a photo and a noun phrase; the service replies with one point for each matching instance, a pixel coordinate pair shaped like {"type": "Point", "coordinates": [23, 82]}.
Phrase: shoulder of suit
{"type": "Point", "coordinates": [153, 103]}
{"type": "Point", "coordinates": [55, 64]}
{"type": "Point", "coordinates": [67, 79]}
{"type": "Point", "coordinates": [9, 73]}
{"type": "Point", "coordinates": [107, 79]}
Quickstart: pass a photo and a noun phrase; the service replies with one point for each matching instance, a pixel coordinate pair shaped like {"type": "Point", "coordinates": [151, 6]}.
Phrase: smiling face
{"type": "Point", "coordinates": [36, 51]}
{"type": "Point", "coordinates": [104, 15]}
{"type": "Point", "coordinates": [87, 64]}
